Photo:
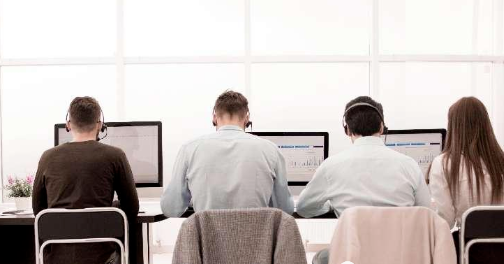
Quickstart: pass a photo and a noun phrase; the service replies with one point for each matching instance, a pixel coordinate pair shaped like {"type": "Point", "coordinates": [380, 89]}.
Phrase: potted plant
{"type": "Point", "coordinates": [21, 191]}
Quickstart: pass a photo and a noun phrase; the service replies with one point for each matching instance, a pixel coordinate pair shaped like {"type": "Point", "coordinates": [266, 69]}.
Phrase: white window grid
{"type": "Point", "coordinates": [374, 59]}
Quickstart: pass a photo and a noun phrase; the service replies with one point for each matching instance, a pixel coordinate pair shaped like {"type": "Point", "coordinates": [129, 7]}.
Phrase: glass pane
{"type": "Point", "coordinates": [181, 96]}
{"type": "Point", "coordinates": [297, 27]}
{"type": "Point", "coordinates": [57, 28]}
{"type": "Point", "coordinates": [435, 27]}
{"type": "Point", "coordinates": [313, 95]}
{"type": "Point", "coordinates": [418, 95]}
{"type": "Point", "coordinates": [36, 98]}
{"type": "Point", "coordinates": [184, 28]}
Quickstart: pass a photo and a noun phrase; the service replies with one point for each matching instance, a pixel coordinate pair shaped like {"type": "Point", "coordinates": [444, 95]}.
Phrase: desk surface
{"type": "Point", "coordinates": [329, 215]}
{"type": "Point", "coordinates": [148, 217]}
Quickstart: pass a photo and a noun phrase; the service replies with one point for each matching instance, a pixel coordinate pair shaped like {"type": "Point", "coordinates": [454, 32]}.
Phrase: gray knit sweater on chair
{"type": "Point", "coordinates": [241, 236]}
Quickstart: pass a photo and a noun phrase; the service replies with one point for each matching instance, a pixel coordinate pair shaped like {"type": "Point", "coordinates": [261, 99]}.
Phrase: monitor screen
{"type": "Point", "coordinates": [142, 143]}
{"type": "Point", "coordinates": [423, 145]}
{"type": "Point", "coordinates": [303, 152]}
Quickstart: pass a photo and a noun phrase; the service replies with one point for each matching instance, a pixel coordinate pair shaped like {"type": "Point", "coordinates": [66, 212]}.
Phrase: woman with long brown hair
{"type": "Point", "coordinates": [470, 171]}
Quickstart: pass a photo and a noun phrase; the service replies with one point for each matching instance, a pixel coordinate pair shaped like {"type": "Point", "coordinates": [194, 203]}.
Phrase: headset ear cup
{"type": "Point", "coordinates": [385, 130]}
{"type": "Point", "coordinates": [66, 123]}
{"type": "Point", "coordinates": [345, 130]}
{"type": "Point", "coordinates": [248, 124]}
{"type": "Point", "coordinates": [103, 128]}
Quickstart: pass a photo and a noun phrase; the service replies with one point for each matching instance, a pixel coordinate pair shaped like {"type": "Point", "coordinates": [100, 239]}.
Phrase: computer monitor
{"type": "Point", "coordinates": [423, 145]}
{"type": "Point", "coordinates": [303, 152]}
{"type": "Point", "coordinates": [142, 143]}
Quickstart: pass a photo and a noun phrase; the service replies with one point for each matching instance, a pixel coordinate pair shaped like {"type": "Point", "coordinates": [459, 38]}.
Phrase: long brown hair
{"type": "Point", "coordinates": [471, 140]}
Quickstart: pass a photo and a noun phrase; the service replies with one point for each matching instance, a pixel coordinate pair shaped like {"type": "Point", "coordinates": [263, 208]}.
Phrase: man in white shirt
{"type": "Point", "coordinates": [229, 168]}
{"type": "Point", "coordinates": [366, 174]}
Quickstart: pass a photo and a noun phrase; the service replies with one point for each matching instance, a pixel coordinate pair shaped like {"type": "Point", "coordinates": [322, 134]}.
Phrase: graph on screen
{"type": "Point", "coordinates": [423, 148]}
{"type": "Point", "coordinates": [303, 155]}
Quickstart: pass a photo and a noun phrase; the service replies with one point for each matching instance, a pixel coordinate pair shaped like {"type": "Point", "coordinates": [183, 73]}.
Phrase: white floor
{"type": "Point", "coordinates": [167, 258]}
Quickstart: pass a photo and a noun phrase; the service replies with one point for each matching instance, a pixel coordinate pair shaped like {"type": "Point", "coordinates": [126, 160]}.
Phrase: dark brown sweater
{"type": "Point", "coordinates": [81, 175]}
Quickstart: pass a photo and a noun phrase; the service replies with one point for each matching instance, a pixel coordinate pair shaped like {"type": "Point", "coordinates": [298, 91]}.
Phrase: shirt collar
{"type": "Point", "coordinates": [371, 140]}
{"type": "Point", "coordinates": [230, 127]}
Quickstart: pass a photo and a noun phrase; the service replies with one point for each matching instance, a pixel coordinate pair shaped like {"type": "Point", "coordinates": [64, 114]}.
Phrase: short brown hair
{"type": "Point", "coordinates": [232, 103]}
{"type": "Point", "coordinates": [84, 113]}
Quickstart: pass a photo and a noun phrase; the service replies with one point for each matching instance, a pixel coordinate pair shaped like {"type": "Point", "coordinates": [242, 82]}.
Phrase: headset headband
{"type": "Point", "coordinates": [364, 104]}
{"type": "Point", "coordinates": [385, 129]}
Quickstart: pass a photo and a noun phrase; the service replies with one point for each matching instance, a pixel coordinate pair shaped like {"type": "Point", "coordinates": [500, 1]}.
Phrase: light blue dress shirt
{"type": "Point", "coordinates": [366, 174]}
{"type": "Point", "coordinates": [225, 170]}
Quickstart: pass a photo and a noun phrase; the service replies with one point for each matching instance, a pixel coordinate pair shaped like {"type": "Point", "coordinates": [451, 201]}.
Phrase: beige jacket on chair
{"type": "Point", "coordinates": [392, 235]}
{"type": "Point", "coordinates": [243, 236]}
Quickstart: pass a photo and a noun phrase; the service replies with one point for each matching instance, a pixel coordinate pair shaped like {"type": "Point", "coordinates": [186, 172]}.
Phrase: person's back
{"type": "Point", "coordinates": [470, 171]}
{"type": "Point", "coordinates": [228, 169]}
{"type": "Point", "coordinates": [367, 174]}
{"type": "Point", "coordinates": [82, 174]}
{"type": "Point", "coordinates": [239, 170]}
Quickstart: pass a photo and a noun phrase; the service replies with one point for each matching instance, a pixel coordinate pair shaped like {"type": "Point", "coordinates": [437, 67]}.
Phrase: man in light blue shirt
{"type": "Point", "coordinates": [366, 174]}
{"type": "Point", "coordinates": [229, 168]}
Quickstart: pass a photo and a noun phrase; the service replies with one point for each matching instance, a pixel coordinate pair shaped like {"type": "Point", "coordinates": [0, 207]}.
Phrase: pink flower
{"type": "Point", "coordinates": [29, 179]}
{"type": "Point", "coordinates": [11, 180]}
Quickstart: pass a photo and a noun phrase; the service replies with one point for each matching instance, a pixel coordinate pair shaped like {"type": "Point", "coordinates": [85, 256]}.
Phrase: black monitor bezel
{"type": "Point", "coordinates": [312, 134]}
{"type": "Point", "coordinates": [441, 131]}
{"type": "Point", "coordinates": [132, 123]}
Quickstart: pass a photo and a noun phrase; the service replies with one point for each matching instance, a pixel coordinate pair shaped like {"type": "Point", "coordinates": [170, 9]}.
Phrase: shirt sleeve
{"type": "Point", "coordinates": [281, 197]}
{"type": "Point", "coordinates": [176, 197]}
{"type": "Point", "coordinates": [441, 192]}
{"type": "Point", "coordinates": [125, 187]}
{"type": "Point", "coordinates": [313, 200]}
{"type": "Point", "coordinates": [422, 194]}
{"type": "Point", "coordinates": [39, 194]}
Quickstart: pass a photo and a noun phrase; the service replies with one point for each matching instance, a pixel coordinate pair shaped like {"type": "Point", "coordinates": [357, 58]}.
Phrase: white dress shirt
{"type": "Point", "coordinates": [366, 174]}
{"type": "Point", "coordinates": [446, 206]}
{"type": "Point", "coordinates": [225, 170]}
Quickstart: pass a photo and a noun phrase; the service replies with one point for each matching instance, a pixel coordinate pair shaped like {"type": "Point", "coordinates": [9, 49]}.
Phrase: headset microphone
{"type": "Point", "coordinates": [247, 125]}
{"type": "Point", "coordinates": [103, 128]}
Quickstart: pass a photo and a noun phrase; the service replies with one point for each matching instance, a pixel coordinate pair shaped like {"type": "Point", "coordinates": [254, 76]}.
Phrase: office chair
{"type": "Point", "coordinates": [482, 225]}
{"type": "Point", "coordinates": [78, 226]}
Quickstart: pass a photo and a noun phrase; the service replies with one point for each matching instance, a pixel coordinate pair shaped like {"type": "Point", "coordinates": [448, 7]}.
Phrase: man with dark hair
{"type": "Point", "coordinates": [229, 168]}
{"type": "Point", "coordinates": [366, 174]}
{"type": "Point", "coordinates": [81, 174]}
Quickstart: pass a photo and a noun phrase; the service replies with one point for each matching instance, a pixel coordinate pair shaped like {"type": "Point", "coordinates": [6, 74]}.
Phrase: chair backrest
{"type": "Point", "coordinates": [483, 222]}
{"type": "Point", "coordinates": [261, 235]}
{"type": "Point", "coordinates": [103, 222]}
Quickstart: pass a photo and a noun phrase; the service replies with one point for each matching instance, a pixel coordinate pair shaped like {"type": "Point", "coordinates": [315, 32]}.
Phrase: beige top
{"type": "Point", "coordinates": [446, 206]}
{"type": "Point", "coordinates": [392, 235]}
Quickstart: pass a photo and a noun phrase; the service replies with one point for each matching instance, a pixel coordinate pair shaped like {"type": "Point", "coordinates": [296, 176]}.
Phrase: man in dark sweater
{"type": "Point", "coordinates": [81, 174]}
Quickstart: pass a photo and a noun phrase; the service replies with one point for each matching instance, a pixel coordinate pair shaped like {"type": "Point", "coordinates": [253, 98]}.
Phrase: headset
{"type": "Point", "coordinates": [247, 125]}
{"type": "Point", "coordinates": [345, 126]}
{"type": "Point", "coordinates": [103, 128]}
